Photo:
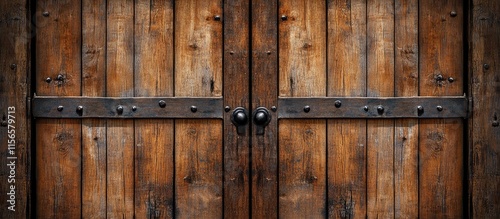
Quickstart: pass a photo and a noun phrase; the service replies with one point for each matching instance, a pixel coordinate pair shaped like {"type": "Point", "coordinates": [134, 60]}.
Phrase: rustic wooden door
{"type": "Point", "coordinates": [239, 109]}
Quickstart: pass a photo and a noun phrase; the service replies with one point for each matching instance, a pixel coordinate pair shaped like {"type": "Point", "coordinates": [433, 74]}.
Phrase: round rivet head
{"type": "Point", "coordinates": [451, 80]}
{"type": "Point", "coordinates": [194, 109]}
{"type": "Point", "coordinates": [307, 109]}
{"type": "Point", "coordinates": [380, 109]}
{"type": "Point", "coordinates": [439, 108]}
{"type": "Point", "coordinates": [134, 108]}
{"type": "Point", "coordinates": [60, 77]}
{"type": "Point", "coordinates": [45, 13]}
{"type": "Point", "coordinates": [162, 103]}
{"type": "Point", "coordinates": [79, 109]}
{"type": "Point", "coordinates": [273, 108]}
{"type": "Point", "coordinates": [13, 66]}
{"type": "Point", "coordinates": [486, 66]}
{"type": "Point", "coordinates": [60, 108]}
{"type": "Point", "coordinates": [439, 77]}
{"type": "Point", "coordinates": [227, 108]}
{"type": "Point", "coordinates": [338, 103]}
{"type": "Point", "coordinates": [284, 17]}
{"type": "Point", "coordinates": [453, 13]}
{"type": "Point", "coordinates": [495, 123]}
{"type": "Point", "coordinates": [217, 17]}
{"type": "Point", "coordinates": [119, 109]}
{"type": "Point", "coordinates": [365, 108]}
{"type": "Point", "coordinates": [48, 79]}
{"type": "Point", "coordinates": [420, 110]}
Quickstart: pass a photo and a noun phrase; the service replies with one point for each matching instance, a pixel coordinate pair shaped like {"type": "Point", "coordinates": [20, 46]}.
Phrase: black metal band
{"type": "Point", "coordinates": [373, 107]}
{"type": "Point", "coordinates": [126, 107]}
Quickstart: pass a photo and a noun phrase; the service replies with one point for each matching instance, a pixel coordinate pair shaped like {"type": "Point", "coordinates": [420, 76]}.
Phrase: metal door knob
{"type": "Point", "coordinates": [239, 118]}
{"type": "Point", "coordinates": [261, 118]}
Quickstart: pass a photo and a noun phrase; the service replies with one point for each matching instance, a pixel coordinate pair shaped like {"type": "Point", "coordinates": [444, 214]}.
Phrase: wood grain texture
{"type": "Point", "coordinates": [198, 143]}
{"type": "Point", "coordinates": [264, 69]}
{"type": "Point", "coordinates": [406, 130]}
{"type": "Point", "coordinates": [154, 139]}
{"type": "Point", "coordinates": [380, 133]}
{"type": "Point", "coordinates": [441, 165]}
{"type": "Point", "coordinates": [484, 85]}
{"type": "Point", "coordinates": [120, 133]}
{"type": "Point", "coordinates": [236, 146]}
{"type": "Point", "coordinates": [58, 148]}
{"type": "Point", "coordinates": [346, 164]}
{"type": "Point", "coordinates": [94, 130]}
{"type": "Point", "coordinates": [14, 89]}
{"type": "Point", "coordinates": [302, 73]}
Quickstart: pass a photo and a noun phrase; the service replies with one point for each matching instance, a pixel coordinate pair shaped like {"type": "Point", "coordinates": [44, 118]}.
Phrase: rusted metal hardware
{"type": "Point", "coordinates": [126, 107]}
{"type": "Point", "coordinates": [373, 107]}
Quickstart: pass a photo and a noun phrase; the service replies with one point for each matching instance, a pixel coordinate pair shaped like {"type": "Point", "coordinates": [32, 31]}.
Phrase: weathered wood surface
{"type": "Point", "coordinates": [484, 131]}
{"type": "Point", "coordinates": [302, 143]}
{"type": "Point", "coordinates": [441, 151]}
{"type": "Point", "coordinates": [346, 57]}
{"type": "Point", "coordinates": [14, 89]}
{"type": "Point", "coordinates": [58, 145]}
{"type": "Point", "coordinates": [198, 143]}
{"type": "Point", "coordinates": [264, 69]}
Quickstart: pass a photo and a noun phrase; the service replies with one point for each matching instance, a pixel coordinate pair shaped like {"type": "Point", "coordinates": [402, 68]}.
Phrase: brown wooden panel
{"type": "Point", "coordinates": [406, 130]}
{"type": "Point", "coordinates": [198, 143]}
{"type": "Point", "coordinates": [94, 130]}
{"type": "Point", "coordinates": [236, 94]}
{"type": "Point", "coordinates": [154, 139]}
{"type": "Point", "coordinates": [264, 68]}
{"type": "Point", "coordinates": [441, 170]}
{"type": "Point", "coordinates": [485, 132]}
{"type": "Point", "coordinates": [346, 138]}
{"type": "Point", "coordinates": [58, 149]}
{"type": "Point", "coordinates": [380, 133]}
{"type": "Point", "coordinates": [120, 133]}
{"type": "Point", "coordinates": [302, 72]}
{"type": "Point", "coordinates": [14, 89]}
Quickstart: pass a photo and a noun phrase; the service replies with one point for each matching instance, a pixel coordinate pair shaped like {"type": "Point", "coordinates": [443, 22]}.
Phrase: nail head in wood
{"type": "Point", "coordinates": [307, 109]}
{"type": "Point", "coordinates": [45, 13]}
{"type": "Point", "coordinates": [453, 13]}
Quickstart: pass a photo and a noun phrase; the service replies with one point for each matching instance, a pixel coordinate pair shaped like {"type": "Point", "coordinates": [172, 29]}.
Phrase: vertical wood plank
{"type": "Point", "coordinates": [154, 139]}
{"type": "Point", "coordinates": [406, 130]}
{"type": "Point", "coordinates": [346, 138]}
{"type": "Point", "coordinates": [14, 89]}
{"type": "Point", "coordinates": [120, 133]}
{"type": "Point", "coordinates": [94, 130]}
{"type": "Point", "coordinates": [264, 68]}
{"type": "Point", "coordinates": [483, 126]}
{"type": "Point", "coordinates": [441, 170]}
{"type": "Point", "coordinates": [302, 73]}
{"type": "Point", "coordinates": [485, 133]}
{"type": "Point", "coordinates": [380, 133]}
{"type": "Point", "coordinates": [236, 93]}
{"type": "Point", "coordinates": [58, 149]}
{"type": "Point", "coordinates": [198, 144]}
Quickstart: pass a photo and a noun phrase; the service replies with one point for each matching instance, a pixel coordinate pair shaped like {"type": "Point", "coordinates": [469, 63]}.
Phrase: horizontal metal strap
{"type": "Point", "coordinates": [126, 107]}
{"type": "Point", "coordinates": [373, 107]}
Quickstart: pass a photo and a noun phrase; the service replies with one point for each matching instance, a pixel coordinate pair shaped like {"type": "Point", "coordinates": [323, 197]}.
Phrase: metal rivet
{"type": "Point", "coordinates": [338, 103]}
{"type": "Point", "coordinates": [119, 109]}
{"type": "Point", "coordinates": [439, 77]}
{"type": "Point", "coordinates": [48, 80]}
{"type": "Point", "coordinates": [273, 108]}
{"type": "Point", "coordinates": [162, 103]}
{"type": "Point", "coordinates": [380, 109]}
{"type": "Point", "coordinates": [365, 108]}
{"type": "Point", "coordinates": [45, 13]}
{"type": "Point", "coordinates": [439, 108]}
{"type": "Point", "coordinates": [453, 13]}
{"type": "Point", "coordinates": [13, 66]}
{"type": "Point", "coordinates": [268, 52]}
{"type": "Point", "coordinates": [495, 123]}
{"type": "Point", "coordinates": [451, 80]}
{"type": "Point", "coordinates": [79, 109]}
{"type": "Point", "coordinates": [227, 108]}
{"type": "Point", "coordinates": [4, 123]}
{"type": "Point", "coordinates": [60, 108]}
{"type": "Point", "coordinates": [59, 77]}
{"type": "Point", "coordinates": [307, 109]}
{"type": "Point", "coordinates": [486, 66]}
{"type": "Point", "coordinates": [231, 52]}
{"type": "Point", "coordinates": [284, 17]}
{"type": "Point", "coordinates": [420, 110]}
{"type": "Point", "coordinates": [134, 108]}
{"type": "Point", "coordinates": [194, 109]}
{"type": "Point", "coordinates": [217, 17]}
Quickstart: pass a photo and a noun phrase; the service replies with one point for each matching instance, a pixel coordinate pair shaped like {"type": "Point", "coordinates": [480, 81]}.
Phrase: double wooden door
{"type": "Point", "coordinates": [135, 109]}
